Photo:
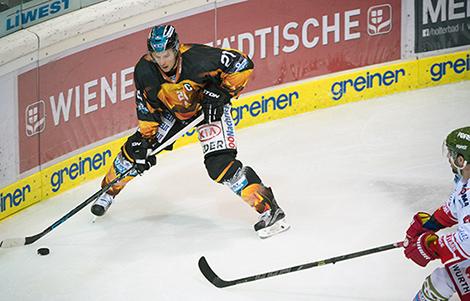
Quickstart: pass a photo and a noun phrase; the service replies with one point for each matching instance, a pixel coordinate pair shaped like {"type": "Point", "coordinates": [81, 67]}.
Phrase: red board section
{"type": "Point", "coordinates": [87, 96]}
{"type": "Point", "coordinates": [293, 40]}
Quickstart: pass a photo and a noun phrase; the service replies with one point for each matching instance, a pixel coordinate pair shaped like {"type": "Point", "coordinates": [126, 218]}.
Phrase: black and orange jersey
{"type": "Point", "coordinates": [197, 66]}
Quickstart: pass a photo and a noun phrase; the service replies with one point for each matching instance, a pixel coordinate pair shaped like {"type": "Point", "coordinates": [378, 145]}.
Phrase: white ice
{"type": "Point", "coordinates": [349, 177]}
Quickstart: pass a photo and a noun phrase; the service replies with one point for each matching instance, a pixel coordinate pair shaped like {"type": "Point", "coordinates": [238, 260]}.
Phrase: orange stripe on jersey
{"type": "Point", "coordinates": [184, 48]}
{"type": "Point", "coordinates": [125, 154]}
{"type": "Point", "coordinates": [181, 98]}
{"type": "Point", "coordinates": [235, 82]}
{"type": "Point", "coordinates": [147, 104]}
{"type": "Point", "coordinates": [232, 82]}
{"type": "Point", "coordinates": [148, 129]}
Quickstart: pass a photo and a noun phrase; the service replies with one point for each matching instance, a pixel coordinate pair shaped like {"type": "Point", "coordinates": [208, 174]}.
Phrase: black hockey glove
{"type": "Point", "coordinates": [213, 102]}
{"type": "Point", "coordinates": [136, 150]}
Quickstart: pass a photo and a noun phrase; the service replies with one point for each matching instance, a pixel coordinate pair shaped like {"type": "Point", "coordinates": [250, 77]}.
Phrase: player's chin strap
{"type": "Point", "coordinates": [21, 241]}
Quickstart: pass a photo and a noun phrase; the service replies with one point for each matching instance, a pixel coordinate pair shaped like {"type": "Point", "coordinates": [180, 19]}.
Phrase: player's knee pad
{"type": "Point", "coordinates": [436, 287]}
{"type": "Point", "coordinates": [222, 166]}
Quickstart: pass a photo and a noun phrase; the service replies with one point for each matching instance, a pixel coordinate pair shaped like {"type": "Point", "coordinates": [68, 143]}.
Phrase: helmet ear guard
{"type": "Point", "coordinates": [452, 156]}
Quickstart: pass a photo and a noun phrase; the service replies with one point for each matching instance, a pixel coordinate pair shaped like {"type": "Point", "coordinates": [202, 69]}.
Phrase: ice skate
{"type": "Point", "coordinates": [102, 204]}
{"type": "Point", "coordinates": [272, 221]}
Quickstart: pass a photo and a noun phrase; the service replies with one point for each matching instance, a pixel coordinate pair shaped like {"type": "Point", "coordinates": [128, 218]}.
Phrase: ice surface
{"type": "Point", "coordinates": [349, 178]}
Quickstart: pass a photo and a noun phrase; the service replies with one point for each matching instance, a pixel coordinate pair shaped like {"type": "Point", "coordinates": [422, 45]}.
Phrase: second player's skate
{"type": "Point", "coordinates": [272, 221]}
{"type": "Point", "coordinates": [102, 204]}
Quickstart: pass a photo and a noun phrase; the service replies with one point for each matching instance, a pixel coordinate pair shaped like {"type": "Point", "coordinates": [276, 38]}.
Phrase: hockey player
{"type": "Point", "coordinates": [422, 244]}
{"type": "Point", "coordinates": [174, 84]}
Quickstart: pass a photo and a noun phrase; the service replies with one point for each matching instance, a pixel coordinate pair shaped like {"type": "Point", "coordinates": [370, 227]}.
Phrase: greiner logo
{"type": "Point", "coordinates": [439, 70]}
{"type": "Point", "coordinates": [83, 166]}
{"type": "Point", "coordinates": [257, 107]}
{"type": "Point", "coordinates": [13, 199]}
{"type": "Point", "coordinates": [360, 83]}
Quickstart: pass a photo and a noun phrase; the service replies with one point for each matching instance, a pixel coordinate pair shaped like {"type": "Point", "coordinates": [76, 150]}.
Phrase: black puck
{"type": "Point", "coordinates": [43, 251]}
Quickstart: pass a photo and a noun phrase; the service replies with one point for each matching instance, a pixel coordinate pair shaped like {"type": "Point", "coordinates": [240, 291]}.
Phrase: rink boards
{"type": "Point", "coordinates": [251, 109]}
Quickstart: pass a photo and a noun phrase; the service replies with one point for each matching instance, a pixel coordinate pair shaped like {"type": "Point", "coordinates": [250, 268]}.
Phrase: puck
{"type": "Point", "coordinates": [43, 251]}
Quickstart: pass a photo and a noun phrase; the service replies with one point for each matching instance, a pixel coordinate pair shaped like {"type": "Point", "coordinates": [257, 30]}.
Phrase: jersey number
{"type": "Point", "coordinates": [226, 58]}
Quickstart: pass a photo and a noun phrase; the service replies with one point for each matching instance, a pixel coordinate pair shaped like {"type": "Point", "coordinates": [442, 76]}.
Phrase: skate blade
{"type": "Point", "coordinates": [276, 228]}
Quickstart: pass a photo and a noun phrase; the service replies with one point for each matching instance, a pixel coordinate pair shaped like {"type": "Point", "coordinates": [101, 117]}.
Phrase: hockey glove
{"type": "Point", "coordinates": [136, 150]}
{"type": "Point", "coordinates": [416, 228]}
{"type": "Point", "coordinates": [423, 249]}
{"type": "Point", "coordinates": [422, 222]}
{"type": "Point", "coordinates": [213, 102]}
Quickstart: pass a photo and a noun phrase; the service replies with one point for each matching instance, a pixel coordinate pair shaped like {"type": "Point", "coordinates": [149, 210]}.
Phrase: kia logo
{"type": "Point", "coordinates": [208, 131]}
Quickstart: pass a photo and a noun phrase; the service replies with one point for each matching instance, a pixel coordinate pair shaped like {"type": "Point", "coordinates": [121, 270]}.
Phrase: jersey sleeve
{"type": "Point", "coordinates": [446, 215]}
{"type": "Point", "coordinates": [236, 68]}
{"type": "Point", "coordinates": [456, 244]}
{"type": "Point", "coordinates": [147, 103]}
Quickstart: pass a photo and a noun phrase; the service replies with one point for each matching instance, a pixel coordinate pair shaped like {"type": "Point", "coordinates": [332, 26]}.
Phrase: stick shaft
{"type": "Point", "coordinates": [179, 134]}
{"type": "Point", "coordinates": [217, 281]}
{"type": "Point", "coordinates": [13, 242]}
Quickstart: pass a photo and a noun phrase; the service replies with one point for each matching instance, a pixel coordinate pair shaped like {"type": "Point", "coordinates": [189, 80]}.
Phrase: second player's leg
{"type": "Point", "coordinates": [219, 146]}
{"type": "Point", "coordinates": [436, 287]}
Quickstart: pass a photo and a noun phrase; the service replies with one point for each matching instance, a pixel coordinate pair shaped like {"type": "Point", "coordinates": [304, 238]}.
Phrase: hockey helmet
{"type": "Point", "coordinates": [458, 143]}
{"type": "Point", "coordinates": [163, 37]}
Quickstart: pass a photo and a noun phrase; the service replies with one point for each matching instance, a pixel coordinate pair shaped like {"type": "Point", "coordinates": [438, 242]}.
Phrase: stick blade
{"type": "Point", "coordinates": [210, 275]}
{"type": "Point", "coordinates": [12, 242]}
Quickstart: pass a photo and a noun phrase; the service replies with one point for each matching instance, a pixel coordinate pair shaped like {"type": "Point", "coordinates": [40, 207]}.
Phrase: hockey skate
{"type": "Point", "coordinates": [271, 221]}
{"type": "Point", "coordinates": [102, 204]}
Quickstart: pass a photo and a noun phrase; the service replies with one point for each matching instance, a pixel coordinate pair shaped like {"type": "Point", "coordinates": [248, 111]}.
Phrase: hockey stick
{"type": "Point", "coordinates": [219, 282]}
{"type": "Point", "coordinates": [16, 242]}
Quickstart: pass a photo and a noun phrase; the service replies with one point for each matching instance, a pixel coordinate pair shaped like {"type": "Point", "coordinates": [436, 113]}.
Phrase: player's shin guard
{"type": "Point", "coordinates": [224, 168]}
{"type": "Point", "coordinates": [120, 165]}
{"type": "Point", "coordinates": [246, 183]}
{"type": "Point", "coordinates": [103, 202]}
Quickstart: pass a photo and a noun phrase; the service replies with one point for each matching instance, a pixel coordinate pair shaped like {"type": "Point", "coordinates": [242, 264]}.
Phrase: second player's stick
{"type": "Point", "coordinates": [21, 241]}
{"type": "Point", "coordinates": [219, 282]}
